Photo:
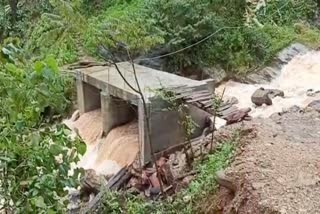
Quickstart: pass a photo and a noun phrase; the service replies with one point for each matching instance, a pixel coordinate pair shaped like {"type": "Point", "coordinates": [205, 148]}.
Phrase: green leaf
{"type": "Point", "coordinates": [50, 211]}
{"type": "Point", "coordinates": [39, 202]}
{"type": "Point", "coordinates": [52, 64]}
{"type": "Point", "coordinates": [38, 66]}
{"type": "Point", "coordinates": [55, 149]}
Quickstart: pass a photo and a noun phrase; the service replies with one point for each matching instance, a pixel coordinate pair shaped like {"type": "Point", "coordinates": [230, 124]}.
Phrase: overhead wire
{"type": "Point", "coordinates": [187, 47]}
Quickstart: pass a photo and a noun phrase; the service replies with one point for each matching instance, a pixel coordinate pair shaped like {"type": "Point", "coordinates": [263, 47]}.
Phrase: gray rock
{"type": "Point", "coordinates": [260, 97]}
{"type": "Point", "coordinates": [264, 96]}
{"type": "Point", "coordinates": [293, 50]}
{"type": "Point", "coordinates": [216, 73]}
{"type": "Point", "coordinates": [154, 191]}
{"type": "Point", "coordinates": [312, 93]}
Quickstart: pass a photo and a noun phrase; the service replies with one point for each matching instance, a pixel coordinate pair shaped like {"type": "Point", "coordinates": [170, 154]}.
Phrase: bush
{"type": "Point", "coordinates": [34, 157]}
{"type": "Point", "coordinates": [31, 92]}
{"type": "Point", "coordinates": [57, 33]}
{"type": "Point", "coordinates": [35, 169]}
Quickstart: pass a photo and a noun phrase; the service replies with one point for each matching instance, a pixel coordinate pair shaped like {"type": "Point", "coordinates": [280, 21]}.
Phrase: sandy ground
{"type": "Point", "coordinates": [276, 168]}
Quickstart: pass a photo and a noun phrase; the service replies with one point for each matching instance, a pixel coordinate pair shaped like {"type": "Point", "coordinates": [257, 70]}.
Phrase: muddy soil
{"type": "Point", "coordinates": [276, 168]}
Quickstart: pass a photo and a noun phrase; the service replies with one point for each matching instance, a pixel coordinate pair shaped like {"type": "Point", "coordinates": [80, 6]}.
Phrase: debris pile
{"type": "Point", "coordinates": [173, 164]}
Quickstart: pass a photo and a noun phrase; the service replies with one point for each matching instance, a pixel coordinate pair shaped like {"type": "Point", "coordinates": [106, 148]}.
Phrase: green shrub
{"type": "Point", "coordinates": [31, 92]}
{"type": "Point", "coordinates": [34, 157]}
{"type": "Point", "coordinates": [57, 33]}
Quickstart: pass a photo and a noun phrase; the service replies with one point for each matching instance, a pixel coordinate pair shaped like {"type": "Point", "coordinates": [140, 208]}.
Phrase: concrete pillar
{"type": "Point", "coordinates": [88, 96]}
{"type": "Point", "coordinates": [114, 111]}
{"type": "Point", "coordinates": [145, 154]}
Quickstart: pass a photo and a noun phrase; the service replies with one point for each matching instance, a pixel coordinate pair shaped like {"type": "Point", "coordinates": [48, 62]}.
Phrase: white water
{"type": "Point", "coordinates": [301, 74]}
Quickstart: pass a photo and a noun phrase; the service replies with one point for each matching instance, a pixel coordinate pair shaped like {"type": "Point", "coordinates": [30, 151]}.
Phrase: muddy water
{"type": "Point", "coordinates": [106, 155]}
{"type": "Point", "coordinates": [296, 78]}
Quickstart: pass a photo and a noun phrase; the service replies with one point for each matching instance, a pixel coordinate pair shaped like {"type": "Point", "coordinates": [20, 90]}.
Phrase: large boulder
{"type": "Point", "coordinates": [260, 97]}
{"type": "Point", "coordinates": [264, 96]}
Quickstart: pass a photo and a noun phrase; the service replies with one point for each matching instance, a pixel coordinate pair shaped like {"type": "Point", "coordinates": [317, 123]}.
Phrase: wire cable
{"type": "Point", "coordinates": [185, 48]}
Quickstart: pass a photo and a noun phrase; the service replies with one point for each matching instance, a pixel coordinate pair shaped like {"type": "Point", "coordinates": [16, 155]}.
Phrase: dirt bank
{"type": "Point", "coordinates": [276, 169]}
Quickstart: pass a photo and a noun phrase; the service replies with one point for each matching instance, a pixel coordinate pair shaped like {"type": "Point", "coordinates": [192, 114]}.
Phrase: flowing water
{"type": "Point", "coordinates": [106, 155]}
{"type": "Point", "coordinates": [296, 78]}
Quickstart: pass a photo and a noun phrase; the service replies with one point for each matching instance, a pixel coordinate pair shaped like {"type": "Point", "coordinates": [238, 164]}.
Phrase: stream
{"type": "Point", "coordinates": [301, 74]}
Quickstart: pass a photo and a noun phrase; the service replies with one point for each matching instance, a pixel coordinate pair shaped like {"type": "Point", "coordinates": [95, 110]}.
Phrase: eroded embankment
{"type": "Point", "coordinates": [277, 169]}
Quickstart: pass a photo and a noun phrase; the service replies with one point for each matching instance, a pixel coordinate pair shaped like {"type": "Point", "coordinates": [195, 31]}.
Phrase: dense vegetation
{"type": "Point", "coordinates": [37, 36]}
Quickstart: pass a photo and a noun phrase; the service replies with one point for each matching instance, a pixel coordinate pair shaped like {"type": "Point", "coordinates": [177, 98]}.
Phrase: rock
{"type": "Point", "coordinates": [225, 181]}
{"type": "Point", "coordinates": [257, 185]}
{"type": "Point", "coordinates": [312, 93]}
{"type": "Point", "coordinates": [91, 182]}
{"type": "Point", "coordinates": [260, 97]}
{"type": "Point", "coordinates": [154, 191]}
{"type": "Point", "coordinates": [264, 96]}
{"type": "Point", "coordinates": [315, 105]}
{"type": "Point", "coordinates": [275, 93]}
{"type": "Point", "coordinates": [75, 116]}
{"type": "Point", "coordinates": [291, 51]}
{"type": "Point", "coordinates": [294, 108]}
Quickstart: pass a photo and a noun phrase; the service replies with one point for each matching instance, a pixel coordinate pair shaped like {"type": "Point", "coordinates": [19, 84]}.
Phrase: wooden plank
{"type": "Point", "coordinates": [200, 98]}
{"type": "Point", "coordinates": [116, 177]}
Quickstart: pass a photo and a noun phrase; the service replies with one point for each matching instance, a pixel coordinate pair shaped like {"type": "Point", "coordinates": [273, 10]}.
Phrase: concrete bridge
{"type": "Point", "coordinates": [103, 87]}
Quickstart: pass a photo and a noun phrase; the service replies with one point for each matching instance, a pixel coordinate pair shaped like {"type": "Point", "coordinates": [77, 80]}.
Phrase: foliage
{"type": "Point", "coordinates": [56, 33]}
{"type": "Point", "coordinates": [185, 201]}
{"type": "Point", "coordinates": [125, 23]}
{"type": "Point", "coordinates": [34, 157]}
{"type": "Point", "coordinates": [284, 12]}
{"type": "Point", "coordinates": [28, 13]}
{"type": "Point", "coordinates": [236, 49]}
{"type": "Point", "coordinates": [29, 93]}
{"type": "Point", "coordinates": [34, 169]}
